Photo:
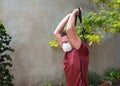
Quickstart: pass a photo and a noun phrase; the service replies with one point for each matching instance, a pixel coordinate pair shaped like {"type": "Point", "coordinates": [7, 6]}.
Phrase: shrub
{"type": "Point", "coordinates": [95, 79]}
{"type": "Point", "coordinates": [5, 59]}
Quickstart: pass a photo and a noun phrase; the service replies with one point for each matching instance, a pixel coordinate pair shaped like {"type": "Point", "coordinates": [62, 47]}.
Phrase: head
{"type": "Point", "coordinates": [64, 37]}
{"type": "Point", "coordinates": [66, 46]}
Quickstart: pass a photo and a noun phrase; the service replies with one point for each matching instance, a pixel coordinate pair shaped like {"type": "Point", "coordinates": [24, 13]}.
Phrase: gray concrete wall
{"type": "Point", "coordinates": [106, 55]}
{"type": "Point", "coordinates": [31, 24]}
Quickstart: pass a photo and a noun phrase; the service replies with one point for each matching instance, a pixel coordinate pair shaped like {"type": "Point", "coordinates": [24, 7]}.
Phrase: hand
{"type": "Point", "coordinates": [76, 11]}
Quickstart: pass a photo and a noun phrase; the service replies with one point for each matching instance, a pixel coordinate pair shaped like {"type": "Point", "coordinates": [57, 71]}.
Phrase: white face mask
{"type": "Point", "coordinates": [66, 47]}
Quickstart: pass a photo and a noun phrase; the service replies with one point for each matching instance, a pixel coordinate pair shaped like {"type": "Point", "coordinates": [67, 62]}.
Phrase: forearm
{"type": "Point", "coordinates": [71, 21]}
{"type": "Point", "coordinates": [61, 25]}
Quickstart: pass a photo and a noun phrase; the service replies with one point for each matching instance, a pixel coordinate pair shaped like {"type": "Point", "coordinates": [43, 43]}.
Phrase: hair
{"type": "Point", "coordinates": [64, 33]}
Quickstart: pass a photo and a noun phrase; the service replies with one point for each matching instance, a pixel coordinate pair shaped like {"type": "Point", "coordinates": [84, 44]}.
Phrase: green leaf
{"type": "Point", "coordinates": [53, 43]}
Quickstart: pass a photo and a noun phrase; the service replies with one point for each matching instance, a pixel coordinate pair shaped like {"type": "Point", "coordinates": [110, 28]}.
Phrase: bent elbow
{"type": "Point", "coordinates": [55, 33]}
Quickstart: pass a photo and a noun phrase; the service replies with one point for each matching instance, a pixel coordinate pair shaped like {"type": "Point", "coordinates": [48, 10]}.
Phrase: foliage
{"type": "Point", "coordinates": [94, 78]}
{"type": "Point", "coordinates": [5, 59]}
{"type": "Point", "coordinates": [111, 75]}
{"type": "Point", "coordinates": [53, 43]}
{"type": "Point", "coordinates": [46, 84]}
{"type": "Point", "coordinates": [114, 4]}
{"type": "Point", "coordinates": [105, 20]}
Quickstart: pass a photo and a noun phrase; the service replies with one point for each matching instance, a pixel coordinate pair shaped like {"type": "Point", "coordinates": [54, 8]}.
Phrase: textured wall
{"type": "Point", "coordinates": [31, 24]}
{"type": "Point", "coordinates": [106, 55]}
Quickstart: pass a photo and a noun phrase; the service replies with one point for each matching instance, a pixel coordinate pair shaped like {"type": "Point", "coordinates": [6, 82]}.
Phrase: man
{"type": "Point", "coordinates": [76, 56]}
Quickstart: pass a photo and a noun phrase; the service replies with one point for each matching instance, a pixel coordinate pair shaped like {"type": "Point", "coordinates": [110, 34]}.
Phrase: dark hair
{"type": "Point", "coordinates": [64, 33]}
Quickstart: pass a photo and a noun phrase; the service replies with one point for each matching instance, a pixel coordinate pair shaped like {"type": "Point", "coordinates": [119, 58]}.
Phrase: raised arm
{"type": "Point", "coordinates": [74, 39]}
{"type": "Point", "coordinates": [60, 28]}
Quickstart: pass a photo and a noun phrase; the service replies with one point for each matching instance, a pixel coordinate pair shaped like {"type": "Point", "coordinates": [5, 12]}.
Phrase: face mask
{"type": "Point", "coordinates": [66, 47]}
